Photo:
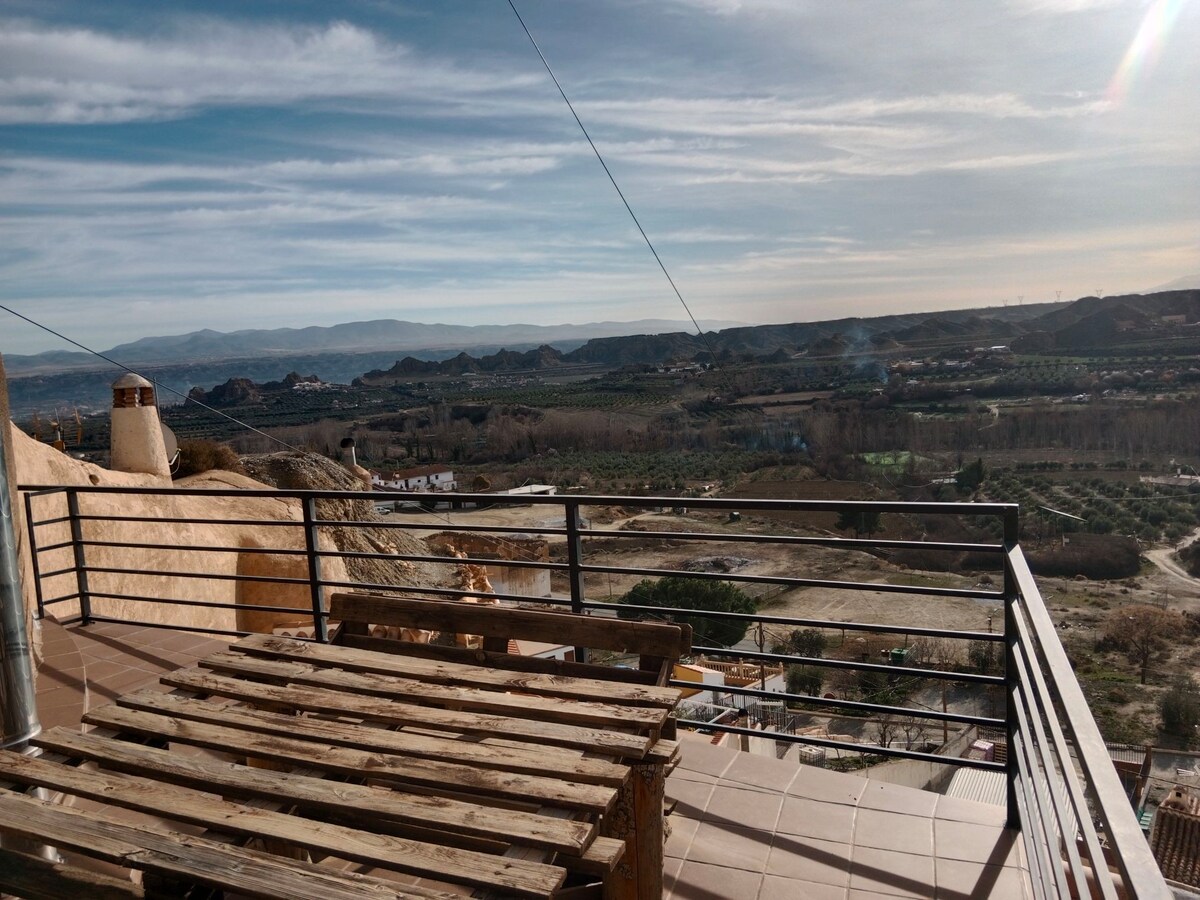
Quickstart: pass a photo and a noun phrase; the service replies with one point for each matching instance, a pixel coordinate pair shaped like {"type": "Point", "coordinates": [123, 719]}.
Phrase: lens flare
{"type": "Point", "coordinates": [1145, 49]}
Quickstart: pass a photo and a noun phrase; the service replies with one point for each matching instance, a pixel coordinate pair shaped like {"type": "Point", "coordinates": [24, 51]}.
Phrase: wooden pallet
{"type": "Point", "coordinates": [298, 761]}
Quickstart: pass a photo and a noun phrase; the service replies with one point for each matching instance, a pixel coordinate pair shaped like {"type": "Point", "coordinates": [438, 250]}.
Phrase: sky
{"type": "Point", "coordinates": [171, 166]}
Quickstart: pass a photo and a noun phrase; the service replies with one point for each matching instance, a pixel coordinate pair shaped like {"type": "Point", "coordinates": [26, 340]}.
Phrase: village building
{"type": "Point", "coordinates": [420, 478]}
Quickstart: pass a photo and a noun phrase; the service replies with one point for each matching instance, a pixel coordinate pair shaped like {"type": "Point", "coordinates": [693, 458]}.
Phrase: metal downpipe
{"type": "Point", "coordinates": [18, 698]}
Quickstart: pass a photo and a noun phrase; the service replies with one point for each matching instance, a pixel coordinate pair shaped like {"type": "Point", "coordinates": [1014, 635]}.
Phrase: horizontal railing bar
{"type": "Point", "coordinates": [43, 491]}
{"type": "Point", "coordinates": [58, 572]}
{"type": "Point", "coordinates": [882, 506]}
{"type": "Point", "coordinates": [305, 611]}
{"type": "Point", "coordinates": [445, 526]}
{"type": "Point", "coordinates": [1134, 859]}
{"type": "Point", "coordinates": [55, 521]}
{"type": "Point", "coordinates": [853, 665]}
{"type": "Point", "coordinates": [667, 612]}
{"type": "Point", "coordinates": [441, 591]}
{"type": "Point", "coordinates": [207, 576]}
{"type": "Point", "coordinates": [167, 627]}
{"type": "Point", "coordinates": [447, 560]}
{"type": "Point", "coordinates": [866, 749]}
{"type": "Point", "coordinates": [848, 543]}
{"type": "Point", "coordinates": [48, 547]}
{"type": "Point", "coordinates": [878, 587]}
{"type": "Point", "coordinates": [70, 620]}
{"type": "Point", "coordinates": [932, 714]}
{"type": "Point", "coordinates": [177, 520]}
{"type": "Point", "coordinates": [62, 599]}
{"type": "Point", "coordinates": [550, 566]}
{"type": "Point", "coordinates": [193, 548]}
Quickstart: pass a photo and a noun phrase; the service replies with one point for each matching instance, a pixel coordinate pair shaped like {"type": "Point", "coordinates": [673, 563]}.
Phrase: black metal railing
{"type": "Point", "coordinates": [108, 554]}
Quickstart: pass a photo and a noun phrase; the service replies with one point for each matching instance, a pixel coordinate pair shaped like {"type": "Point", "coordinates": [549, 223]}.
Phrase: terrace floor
{"type": "Point", "coordinates": [744, 827]}
{"type": "Point", "coordinates": [747, 826]}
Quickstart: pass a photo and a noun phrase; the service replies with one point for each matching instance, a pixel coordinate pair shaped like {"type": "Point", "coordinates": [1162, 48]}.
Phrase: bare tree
{"type": "Point", "coordinates": [1141, 631]}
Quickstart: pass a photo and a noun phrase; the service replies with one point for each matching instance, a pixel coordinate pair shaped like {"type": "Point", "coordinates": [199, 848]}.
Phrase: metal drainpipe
{"type": "Point", "coordinates": [18, 699]}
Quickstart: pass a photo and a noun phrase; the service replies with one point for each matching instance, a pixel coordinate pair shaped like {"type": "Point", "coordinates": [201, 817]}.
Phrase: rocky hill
{"type": "Point", "coordinates": [1103, 321]}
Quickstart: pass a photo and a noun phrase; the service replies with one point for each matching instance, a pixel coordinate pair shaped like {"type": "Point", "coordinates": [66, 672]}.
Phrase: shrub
{"type": "Point", "coordinates": [1093, 556]}
{"type": "Point", "coordinates": [698, 596]}
{"type": "Point", "coordinates": [804, 680]}
{"type": "Point", "coordinates": [198, 456]}
{"type": "Point", "coordinates": [1180, 707]}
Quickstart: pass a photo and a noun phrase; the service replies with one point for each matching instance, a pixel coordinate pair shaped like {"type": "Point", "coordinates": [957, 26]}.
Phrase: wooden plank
{"type": "Point", "coordinates": [508, 661]}
{"type": "Point", "coordinates": [600, 858]}
{"type": "Point", "coordinates": [173, 854]}
{"type": "Point", "coordinates": [34, 878]}
{"type": "Point", "coordinates": [664, 753]}
{"type": "Point", "coordinates": [525, 759]}
{"type": "Point", "coordinates": [357, 763]}
{"type": "Point", "coordinates": [396, 712]}
{"type": "Point", "coordinates": [596, 632]}
{"type": "Point", "coordinates": [311, 793]}
{"type": "Point", "coordinates": [526, 706]}
{"type": "Point", "coordinates": [434, 672]}
{"type": "Point", "coordinates": [521, 877]}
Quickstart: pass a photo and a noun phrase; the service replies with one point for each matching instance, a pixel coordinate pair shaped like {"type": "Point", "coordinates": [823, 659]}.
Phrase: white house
{"type": "Point", "coordinates": [422, 478]}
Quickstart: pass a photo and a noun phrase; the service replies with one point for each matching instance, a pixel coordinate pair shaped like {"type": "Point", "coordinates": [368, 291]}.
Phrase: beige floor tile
{"type": "Point", "coordinates": [883, 830]}
{"type": "Point", "coordinates": [737, 848]}
{"type": "Point", "coordinates": [958, 880]}
{"type": "Point", "coordinates": [777, 888]}
{"type": "Point", "coordinates": [807, 859]}
{"type": "Point", "coordinates": [891, 873]}
{"type": "Point", "coordinates": [691, 797]}
{"type": "Point", "coordinates": [976, 843]}
{"type": "Point", "coordinates": [881, 795]}
{"type": "Point", "coordinates": [700, 756]}
{"type": "Point", "coordinates": [746, 808]}
{"type": "Point", "coordinates": [955, 809]}
{"type": "Point", "coordinates": [697, 881]}
{"type": "Point", "coordinates": [827, 786]}
{"type": "Point", "coordinates": [761, 772]}
{"type": "Point", "coordinates": [679, 840]}
{"type": "Point", "coordinates": [671, 869]}
{"type": "Point", "coordinates": [808, 818]}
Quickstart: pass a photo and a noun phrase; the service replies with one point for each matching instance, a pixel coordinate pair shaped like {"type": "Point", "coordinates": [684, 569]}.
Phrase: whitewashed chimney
{"type": "Point", "coordinates": [137, 437]}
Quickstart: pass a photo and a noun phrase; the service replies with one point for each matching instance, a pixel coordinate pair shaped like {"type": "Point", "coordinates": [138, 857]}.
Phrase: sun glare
{"type": "Point", "coordinates": [1147, 46]}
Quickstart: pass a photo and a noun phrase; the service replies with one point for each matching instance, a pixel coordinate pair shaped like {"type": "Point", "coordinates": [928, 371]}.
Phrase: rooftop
{"type": "Point", "coordinates": [742, 825]}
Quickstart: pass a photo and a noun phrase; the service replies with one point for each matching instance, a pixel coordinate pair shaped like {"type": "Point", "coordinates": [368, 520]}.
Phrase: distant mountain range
{"type": "Point", "coordinates": [1090, 322]}
{"type": "Point", "coordinates": [380, 335]}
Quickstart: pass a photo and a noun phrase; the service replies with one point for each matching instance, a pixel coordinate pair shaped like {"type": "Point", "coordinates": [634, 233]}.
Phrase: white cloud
{"type": "Point", "coordinates": [84, 76]}
{"type": "Point", "coordinates": [1060, 7]}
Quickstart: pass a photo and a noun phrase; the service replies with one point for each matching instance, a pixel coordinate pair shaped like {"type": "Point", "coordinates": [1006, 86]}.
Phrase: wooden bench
{"type": "Point", "coordinates": [658, 646]}
{"type": "Point", "coordinates": [637, 815]}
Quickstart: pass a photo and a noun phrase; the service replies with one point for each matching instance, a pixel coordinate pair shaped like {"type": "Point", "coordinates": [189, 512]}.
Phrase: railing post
{"type": "Point", "coordinates": [312, 542]}
{"type": "Point", "coordinates": [574, 561]}
{"type": "Point", "coordinates": [1011, 595]}
{"type": "Point", "coordinates": [81, 576]}
{"type": "Point", "coordinates": [33, 557]}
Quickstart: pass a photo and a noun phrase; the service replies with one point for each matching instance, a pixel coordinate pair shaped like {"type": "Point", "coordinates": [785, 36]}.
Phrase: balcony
{"type": "Point", "coordinates": [140, 565]}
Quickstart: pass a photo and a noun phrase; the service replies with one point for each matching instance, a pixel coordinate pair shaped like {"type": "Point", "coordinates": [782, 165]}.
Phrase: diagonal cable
{"type": "Point", "coordinates": [616, 187]}
{"type": "Point", "coordinates": [157, 384]}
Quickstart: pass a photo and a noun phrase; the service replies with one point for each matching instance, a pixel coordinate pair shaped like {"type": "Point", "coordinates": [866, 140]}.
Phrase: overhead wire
{"type": "Point", "coordinates": [645, 237]}
{"type": "Point", "coordinates": [157, 384]}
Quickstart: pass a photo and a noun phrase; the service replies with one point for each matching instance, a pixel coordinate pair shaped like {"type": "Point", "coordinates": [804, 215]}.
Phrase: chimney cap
{"type": "Point", "coordinates": [130, 380]}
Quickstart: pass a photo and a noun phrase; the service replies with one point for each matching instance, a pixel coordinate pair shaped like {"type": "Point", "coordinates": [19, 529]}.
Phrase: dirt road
{"type": "Point", "coordinates": [1182, 584]}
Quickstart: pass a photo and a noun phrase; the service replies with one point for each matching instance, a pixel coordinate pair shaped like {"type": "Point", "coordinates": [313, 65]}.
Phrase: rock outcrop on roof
{"type": "Point", "coordinates": [291, 470]}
